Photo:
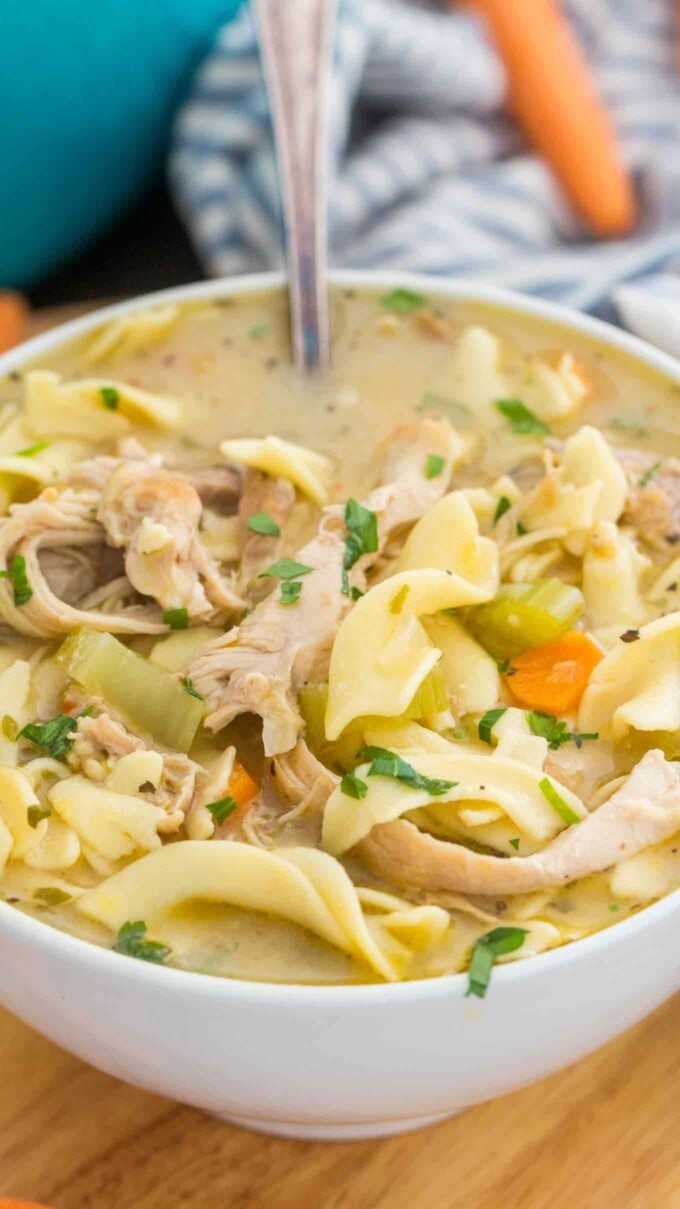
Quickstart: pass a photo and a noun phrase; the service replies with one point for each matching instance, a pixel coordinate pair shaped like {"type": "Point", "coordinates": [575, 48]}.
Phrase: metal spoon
{"type": "Point", "coordinates": [296, 38]}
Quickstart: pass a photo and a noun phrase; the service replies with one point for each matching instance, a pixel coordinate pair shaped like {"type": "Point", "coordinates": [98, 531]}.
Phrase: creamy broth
{"type": "Point", "coordinates": [397, 365]}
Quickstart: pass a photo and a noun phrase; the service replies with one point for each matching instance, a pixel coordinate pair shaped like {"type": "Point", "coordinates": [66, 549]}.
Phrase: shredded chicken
{"type": "Point", "coordinates": [218, 487]}
{"type": "Point", "coordinates": [276, 498]}
{"type": "Point", "coordinates": [644, 811]}
{"type": "Point", "coordinates": [154, 515]}
{"type": "Point", "coordinates": [101, 737]}
{"type": "Point", "coordinates": [58, 521]}
{"type": "Point", "coordinates": [259, 666]}
{"type": "Point", "coordinates": [653, 503]}
{"type": "Point", "coordinates": [302, 779]}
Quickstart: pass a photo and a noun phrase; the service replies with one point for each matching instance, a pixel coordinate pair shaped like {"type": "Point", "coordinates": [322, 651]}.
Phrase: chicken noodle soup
{"type": "Point", "coordinates": [374, 677]}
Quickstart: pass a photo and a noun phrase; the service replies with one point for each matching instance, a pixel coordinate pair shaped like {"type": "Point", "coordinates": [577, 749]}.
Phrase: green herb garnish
{"type": "Point", "coordinates": [557, 733]}
{"type": "Point", "coordinates": [17, 574]}
{"type": "Point", "coordinates": [614, 907]}
{"type": "Point", "coordinates": [434, 464]}
{"type": "Point", "coordinates": [263, 523]}
{"type": "Point", "coordinates": [110, 397]}
{"type": "Point", "coordinates": [353, 786]}
{"type": "Point", "coordinates": [522, 420]}
{"type": "Point", "coordinates": [177, 619]}
{"type": "Point", "coordinates": [514, 843]}
{"type": "Point", "coordinates": [290, 591]}
{"type": "Point", "coordinates": [190, 688]}
{"type": "Point", "coordinates": [521, 529]}
{"type": "Point", "coordinates": [52, 896]}
{"type": "Point", "coordinates": [222, 808]}
{"type": "Point", "coordinates": [399, 599]}
{"type": "Point", "coordinates": [356, 593]}
{"type": "Point", "coordinates": [36, 814]}
{"type": "Point", "coordinates": [386, 764]}
{"type": "Point", "coordinates": [285, 568]}
{"type": "Point", "coordinates": [32, 450]}
{"type": "Point", "coordinates": [487, 723]}
{"type": "Point", "coordinates": [131, 943]}
{"type": "Point", "coordinates": [259, 330]}
{"type": "Point", "coordinates": [362, 537]}
{"type": "Point", "coordinates": [503, 506]}
{"type": "Point", "coordinates": [647, 477]}
{"type": "Point", "coordinates": [52, 738]}
{"type": "Point", "coordinates": [490, 946]}
{"type": "Point", "coordinates": [557, 802]}
{"type": "Point", "coordinates": [402, 301]}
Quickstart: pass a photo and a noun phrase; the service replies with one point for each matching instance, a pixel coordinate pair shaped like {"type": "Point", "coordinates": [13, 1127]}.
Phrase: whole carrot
{"type": "Point", "coordinates": [555, 102]}
{"type": "Point", "coordinates": [13, 319]}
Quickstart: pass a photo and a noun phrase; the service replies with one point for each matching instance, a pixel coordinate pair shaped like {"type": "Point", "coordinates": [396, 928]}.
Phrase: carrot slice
{"type": "Point", "coordinates": [10, 1203]}
{"type": "Point", "coordinates": [13, 329]}
{"type": "Point", "coordinates": [552, 677]}
{"type": "Point", "coordinates": [553, 99]}
{"type": "Point", "coordinates": [242, 787]}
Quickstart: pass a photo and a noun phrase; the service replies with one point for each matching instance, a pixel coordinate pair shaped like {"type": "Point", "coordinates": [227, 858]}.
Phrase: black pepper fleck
{"type": "Point", "coordinates": [630, 636]}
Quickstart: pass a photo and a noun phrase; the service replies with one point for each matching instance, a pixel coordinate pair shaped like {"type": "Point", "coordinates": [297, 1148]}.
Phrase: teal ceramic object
{"type": "Point", "coordinates": [88, 91]}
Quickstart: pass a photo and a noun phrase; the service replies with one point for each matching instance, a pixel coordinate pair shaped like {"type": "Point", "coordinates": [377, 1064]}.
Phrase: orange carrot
{"type": "Point", "coordinates": [10, 1203]}
{"type": "Point", "coordinates": [552, 677]}
{"type": "Point", "coordinates": [13, 327]}
{"type": "Point", "coordinates": [242, 787]}
{"type": "Point", "coordinates": [553, 99]}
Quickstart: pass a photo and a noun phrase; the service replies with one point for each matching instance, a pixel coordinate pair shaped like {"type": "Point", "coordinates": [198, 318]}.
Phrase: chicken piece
{"type": "Point", "coordinates": [103, 738]}
{"type": "Point", "coordinates": [259, 666]}
{"type": "Point", "coordinates": [276, 497]}
{"type": "Point", "coordinates": [57, 521]}
{"type": "Point", "coordinates": [644, 811]}
{"type": "Point", "coordinates": [302, 779]}
{"type": "Point", "coordinates": [154, 515]}
{"type": "Point", "coordinates": [218, 487]}
{"type": "Point", "coordinates": [653, 501]}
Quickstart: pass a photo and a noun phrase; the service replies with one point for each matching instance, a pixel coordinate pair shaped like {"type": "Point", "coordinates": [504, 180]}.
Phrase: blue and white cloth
{"type": "Point", "coordinates": [428, 172]}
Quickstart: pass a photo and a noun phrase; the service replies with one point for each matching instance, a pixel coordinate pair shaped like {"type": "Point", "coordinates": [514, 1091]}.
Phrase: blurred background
{"type": "Point", "coordinates": [531, 143]}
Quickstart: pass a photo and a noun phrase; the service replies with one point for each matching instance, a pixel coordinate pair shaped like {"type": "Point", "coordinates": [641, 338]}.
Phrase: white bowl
{"type": "Point", "coordinates": [339, 1062]}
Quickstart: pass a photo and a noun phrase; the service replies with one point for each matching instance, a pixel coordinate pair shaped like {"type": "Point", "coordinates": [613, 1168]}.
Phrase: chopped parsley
{"type": "Point", "coordinates": [614, 907]}
{"type": "Point", "coordinates": [403, 301]}
{"type": "Point", "coordinates": [503, 665]}
{"type": "Point", "coordinates": [356, 593]}
{"type": "Point", "coordinates": [285, 568]}
{"type": "Point", "coordinates": [177, 619]}
{"type": "Point", "coordinates": [52, 738]}
{"type": "Point", "coordinates": [222, 808]}
{"type": "Point", "coordinates": [647, 477]}
{"type": "Point", "coordinates": [490, 946]}
{"type": "Point", "coordinates": [263, 523]}
{"type": "Point", "coordinates": [557, 801]}
{"type": "Point", "coordinates": [514, 843]}
{"type": "Point", "coordinates": [353, 786]}
{"type": "Point", "coordinates": [521, 419]}
{"type": "Point", "coordinates": [503, 506]}
{"type": "Point", "coordinates": [290, 591]}
{"type": "Point", "coordinates": [521, 529]}
{"type": "Point", "coordinates": [36, 814]}
{"type": "Point", "coordinates": [259, 330]}
{"type": "Point", "coordinates": [399, 599]}
{"type": "Point", "coordinates": [190, 688]}
{"type": "Point", "coordinates": [629, 636]}
{"type": "Point", "coordinates": [548, 727]}
{"type": "Point", "coordinates": [386, 764]}
{"type": "Point", "coordinates": [434, 464]}
{"type": "Point", "coordinates": [110, 397]}
{"type": "Point", "coordinates": [17, 574]}
{"type": "Point", "coordinates": [487, 723]}
{"type": "Point", "coordinates": [32, 450]}
{"type": "Point", "coordinates": [52, 896]}
{"type": "Point", "coordinates": [362, 537]}
{"type": "Point", "coordinates": [131, 943]}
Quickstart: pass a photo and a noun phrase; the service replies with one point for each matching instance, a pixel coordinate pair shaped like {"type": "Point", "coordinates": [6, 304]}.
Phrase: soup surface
{"type": "Point", "coordinates": [368, 678]}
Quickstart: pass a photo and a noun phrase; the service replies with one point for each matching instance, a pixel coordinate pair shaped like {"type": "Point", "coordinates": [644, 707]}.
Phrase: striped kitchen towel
{"type": "Point", "coordinates": [429, 173]}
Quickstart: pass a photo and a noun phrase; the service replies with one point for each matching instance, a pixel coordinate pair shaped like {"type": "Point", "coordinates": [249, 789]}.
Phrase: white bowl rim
{"type": "Point", "coordinates": [62, 945]}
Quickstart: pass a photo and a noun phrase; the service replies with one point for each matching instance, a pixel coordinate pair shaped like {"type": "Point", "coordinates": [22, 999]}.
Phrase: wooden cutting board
{"type": "Point", "coordinates": [603, 1135]}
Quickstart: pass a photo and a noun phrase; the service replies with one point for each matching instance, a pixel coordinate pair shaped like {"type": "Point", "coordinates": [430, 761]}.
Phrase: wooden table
{"type": "Point", "coordinates": [603, 1135]}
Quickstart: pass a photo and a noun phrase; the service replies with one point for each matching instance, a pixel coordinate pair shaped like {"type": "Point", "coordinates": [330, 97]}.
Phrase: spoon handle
{"type": "Point", "coordinates": [296, 38]}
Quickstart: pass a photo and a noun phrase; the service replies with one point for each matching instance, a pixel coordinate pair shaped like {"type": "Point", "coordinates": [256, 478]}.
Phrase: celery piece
{"type": "Point", "coordinates": [145, 696]}
{"type": "Point", "coordinates": [429, 700]}
{"type": "Point", "coordinates": [525, 615]}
